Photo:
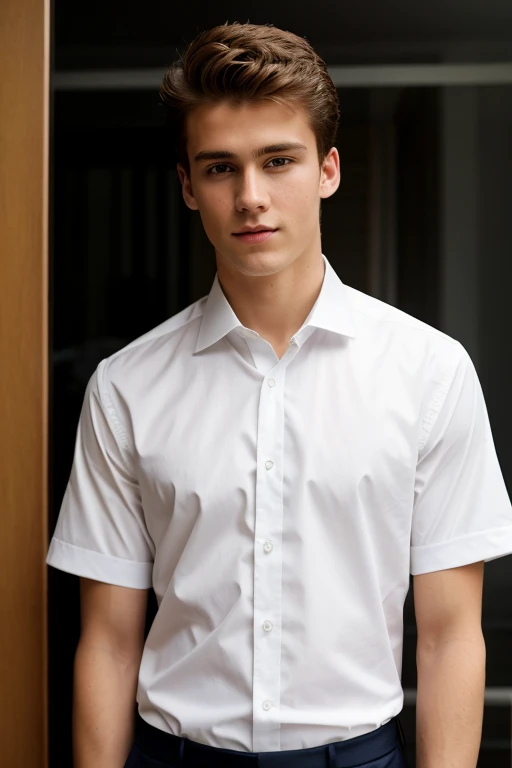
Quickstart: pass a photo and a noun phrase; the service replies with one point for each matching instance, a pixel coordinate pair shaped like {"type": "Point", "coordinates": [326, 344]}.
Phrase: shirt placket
{"type": "Point", "coordinates": [268, 563]}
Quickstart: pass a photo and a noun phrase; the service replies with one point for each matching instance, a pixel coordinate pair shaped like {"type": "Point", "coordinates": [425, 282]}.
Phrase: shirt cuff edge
{"type": "Point", "coordinates": [98, 565]}
{"type": "Point", "coordinates": [482, 545]}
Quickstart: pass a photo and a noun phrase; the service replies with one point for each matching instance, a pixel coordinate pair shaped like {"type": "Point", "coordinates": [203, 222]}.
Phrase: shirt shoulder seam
{"type": "Point", "coordinates": [439, 397]}
{"type": "Point", "coordinates": [116, 425]}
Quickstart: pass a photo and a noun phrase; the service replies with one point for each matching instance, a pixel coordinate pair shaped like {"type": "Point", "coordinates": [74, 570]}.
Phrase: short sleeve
{"type": "Point", "coordinates": [101, 532]}
{"type": "Point", "coordinates": [462, 512]}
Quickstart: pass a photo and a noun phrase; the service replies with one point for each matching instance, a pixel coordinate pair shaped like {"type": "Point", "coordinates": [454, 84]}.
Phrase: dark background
{"type": "Point", "coordinates": [421, 220]}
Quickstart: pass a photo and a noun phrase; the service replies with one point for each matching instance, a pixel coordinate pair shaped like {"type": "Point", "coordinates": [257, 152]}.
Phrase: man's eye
{"type": "Point", "coordinates": [281, 161]}
{"type": "Point", "coordinates": [214, 170]}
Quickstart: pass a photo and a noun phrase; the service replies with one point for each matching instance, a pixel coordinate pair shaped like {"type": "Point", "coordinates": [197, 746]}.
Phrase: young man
{"type": "Point", "coordinates": [275, 461]}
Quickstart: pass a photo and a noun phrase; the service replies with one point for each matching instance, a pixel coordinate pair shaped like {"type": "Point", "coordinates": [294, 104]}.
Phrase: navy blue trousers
{"type": "Point", "coordinates": [382, 748]}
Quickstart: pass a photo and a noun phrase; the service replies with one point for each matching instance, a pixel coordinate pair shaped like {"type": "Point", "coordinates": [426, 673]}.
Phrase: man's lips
{"type": "Point", "coordinates": [254, 237]}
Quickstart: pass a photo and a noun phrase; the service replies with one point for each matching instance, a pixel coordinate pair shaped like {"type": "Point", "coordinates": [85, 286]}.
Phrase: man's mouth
{"type": "Point", "coordinates": [254, 237]}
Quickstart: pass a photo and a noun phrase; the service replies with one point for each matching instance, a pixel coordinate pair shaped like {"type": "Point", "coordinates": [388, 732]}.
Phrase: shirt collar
{"type": "Point", "coordinates": [331, 311]}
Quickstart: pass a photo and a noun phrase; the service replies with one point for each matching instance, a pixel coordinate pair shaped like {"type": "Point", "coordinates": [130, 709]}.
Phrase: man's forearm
{"type": "Point", "coordinates": [450, 702]}
{"type": "Point", "coordinates": [104, 699]}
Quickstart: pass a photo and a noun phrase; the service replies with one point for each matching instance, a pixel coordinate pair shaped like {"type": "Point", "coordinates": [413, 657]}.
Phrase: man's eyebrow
{"type": "Point", "coordinates": [282, 147]}
{"type": "Point", "coordinates": [222, 154]}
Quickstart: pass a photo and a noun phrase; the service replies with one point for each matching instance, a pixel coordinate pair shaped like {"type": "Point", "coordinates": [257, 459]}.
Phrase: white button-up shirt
{"type": "Point", "coordinates": [277, 507]}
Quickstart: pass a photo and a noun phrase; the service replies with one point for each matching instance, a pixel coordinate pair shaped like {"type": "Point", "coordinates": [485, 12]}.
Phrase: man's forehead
{"type": "Point", "coordinates": [246, 129]}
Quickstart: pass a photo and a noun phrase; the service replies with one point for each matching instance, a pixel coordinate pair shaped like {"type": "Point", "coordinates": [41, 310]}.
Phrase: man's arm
{"type": "Point", "coordinates": [450, 660]}
{"type": "Point", "coordinates": [106, 671]}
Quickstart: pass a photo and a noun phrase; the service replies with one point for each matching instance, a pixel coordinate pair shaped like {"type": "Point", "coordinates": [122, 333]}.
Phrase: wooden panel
{"type": "Point", "coordinates": [24, 182]}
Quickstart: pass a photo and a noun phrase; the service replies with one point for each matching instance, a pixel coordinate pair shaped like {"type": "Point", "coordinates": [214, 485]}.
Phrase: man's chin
{"type": "Point", "coordinates": [254, 262]}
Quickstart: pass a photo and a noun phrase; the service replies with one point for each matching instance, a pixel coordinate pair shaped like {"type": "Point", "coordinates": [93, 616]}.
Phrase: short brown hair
{"type": "Point", "coordinates": [239, 63]}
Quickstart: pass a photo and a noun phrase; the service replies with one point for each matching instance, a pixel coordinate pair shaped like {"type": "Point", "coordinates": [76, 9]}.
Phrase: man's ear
{"type": "Point", "coordinates": [186, 188]}
{"type": "Point", "coordinates": [330, 173]}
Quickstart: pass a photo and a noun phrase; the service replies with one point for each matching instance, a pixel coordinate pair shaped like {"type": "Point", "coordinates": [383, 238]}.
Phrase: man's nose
{"type": "Point", "coordinates": [251, 193]}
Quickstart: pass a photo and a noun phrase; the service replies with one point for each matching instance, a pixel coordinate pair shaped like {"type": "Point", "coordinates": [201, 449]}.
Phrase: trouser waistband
{"type": "Point", "coordinates": [179, 751]}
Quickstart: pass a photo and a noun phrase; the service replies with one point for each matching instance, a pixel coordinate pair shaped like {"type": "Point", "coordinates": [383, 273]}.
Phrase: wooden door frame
{"type": "Point", "coordinates": [24, 276]}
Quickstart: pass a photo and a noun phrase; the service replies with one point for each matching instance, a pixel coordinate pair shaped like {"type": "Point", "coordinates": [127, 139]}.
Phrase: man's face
{"type": "Point", "coordinates": [257, 165]}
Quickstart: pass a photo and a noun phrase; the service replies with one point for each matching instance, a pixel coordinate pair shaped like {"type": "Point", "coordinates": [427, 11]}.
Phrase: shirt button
{"type": "Point", "coordinates": [267, 626]}
{"type": "Point", "coordinates": [268, 546]}
{"type": "Point", "coordinates": [269, 464]}
{"type": "Point", "coordinates": [271, 382]}
{"type": "Point", "coordinates": [266, 705]}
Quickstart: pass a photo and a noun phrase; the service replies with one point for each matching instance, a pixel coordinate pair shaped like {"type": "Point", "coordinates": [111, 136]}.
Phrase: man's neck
{"type": "Point", "coordinates": [275, 306]}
